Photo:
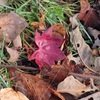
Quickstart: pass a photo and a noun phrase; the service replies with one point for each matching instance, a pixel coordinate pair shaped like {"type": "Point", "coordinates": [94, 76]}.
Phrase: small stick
{"type": "Point", "coordinates": [21, 67]}
{"type": "Point", "coordinates": [84, 76]}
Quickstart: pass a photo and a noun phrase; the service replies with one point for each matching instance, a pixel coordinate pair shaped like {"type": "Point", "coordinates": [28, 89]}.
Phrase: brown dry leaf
{"type": "Point", "coordinates": [10, 94]}
{"type": "Point", "coordinates": [79, 44]}
{"type": "Point", "coordinates": [94, 96]}
{"type": "Point", "coordinates": [68, 65]}
{"type": "Point", "coordinates": [83, 49]}
{"type": "Point", "coordinates": [39, 25]}
{"type": "Point", "coordinates": [92, 19]}
{"type": "Point", "coordinates": [73, 86]}
{"type": "Point", "coordinates": [57, 94]}
{"type": "Point", "coordinates": [57, 73]}
{"type": "Point", "coordinates": [96, 5]}
{"type": "Point", "coordinates": [11, 25]}
{"type": "Point", "coordinates": [77, 60]}
{"type": "Point", "coordinates": [13, 54]}
{"type": "Point", "coordinates": [85, 6]}
{"type": "Point", "coordinates": [58, 30]}
{"type": "Point", "coordinates": [33, 87]}
{"type": "Point", "coordinates": [17, 42]}
{"type": "Point", "coordinates": [96, 34]}
{"type": "Point", "coordinates": [89, 16]}
{"type": "Point", "coordinates": [97, 64]}
{"type": "Point", "coordinates": [28, 50]}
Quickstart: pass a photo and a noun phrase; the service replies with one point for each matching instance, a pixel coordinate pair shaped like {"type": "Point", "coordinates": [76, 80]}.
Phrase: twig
{"type": "Point", "coordinates": [21, 67]}
{"type": "Point", "coordinates": [84, 76]}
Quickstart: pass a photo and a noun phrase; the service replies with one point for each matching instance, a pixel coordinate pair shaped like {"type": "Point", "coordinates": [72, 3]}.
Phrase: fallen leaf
{"type": "Point", "coordinates": [13, 54]}
{"type": "Point", "coordinates": [96, 34]}
{"type": "Point", "coordinates": [68, 96]}
{"type": "Point", "coordinates": [58, 30]}
{"type": "Point", "coordinates": [97, 64]}
{"type": "Point", "coordinates": [82, 48]}
{"type": "Point", "coordinates": [68, 65]}
{"type": "Point", "coordinates": [94, 96]}
{"type": "Point", "coordinates": [85, 6]}
{"type": "Point", "coordinates": [96, 6]}
{"type": "Point", "coordinates": [17, 42]}
{"type": "Point", "coordinates": [39, 25]}
{"type": "Point", "coordinates": [11, 25]}
{"type": "Point", "coordinates": [79, 44]}
{"type": "Point", "coordinates": [57, 94]}
{"type": "Point", "coordinates": [57, 73]}
{"type": "Point", "coordinates": [30, 85]}
{"type": "Point", "coordinates": [33, 86]}
{"type": "Point", "coordinates": [88, 15]}
{"type": "Point", "coordinates": [29, 51]}
{"type": "Point", "coordinates": [73, 86]}
{"type": "Point", "coordinates": [92, 19]}
{"type": "Point", "coordinates": [10, 94]}
{"type": "Point", "coordinates": [48, 51]}
{"type": "Point", "coordinates": [77, 60]}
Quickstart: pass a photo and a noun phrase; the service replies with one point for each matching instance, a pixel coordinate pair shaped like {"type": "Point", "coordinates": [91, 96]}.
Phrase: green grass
{"type": "Point", "coordinates": [4, 78]}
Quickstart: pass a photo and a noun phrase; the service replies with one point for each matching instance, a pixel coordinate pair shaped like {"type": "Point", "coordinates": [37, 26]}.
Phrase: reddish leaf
{"type": "Point", "coordinates": [92, 19]}
{"type": "Point", "coordinates": [88, 15]}
{"type": "Point", "coordinates": [48, 51]}
{"type": "Point", "coordinates": [85, 6]}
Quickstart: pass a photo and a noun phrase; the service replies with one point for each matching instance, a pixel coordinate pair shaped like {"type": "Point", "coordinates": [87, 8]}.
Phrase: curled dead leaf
{"type": "Point", "coordinates": [77, 60]}
{"type": "Point", "coordinates": [58, 30]}
{"type": "Point", "coordinates": [39, 25]}
{"type": "Point", "coordinates": [88, 15]}
{"type": "Point", "coordinates": [94, 96]}
{"type": "Point", "coordinates": [11, 25]}
{"type": "Point", "coordinates": [17, 42]}
{"type": "Point", "coordinates": [10, 94]}
{"type": "Point", "coordinates": [85, 6]}
{"type": "Point", "coordinates": [57, 73]}
{"type": "Point", "coordinates": [73, 86]}
{"type": "Point", "coordinates": [96, 35]}
{"type": "Point", "coordinates": [84, 51]}
{"type": "Point", "coordinates": [68, 65]}
{"type": "Point", "coordinates": [57, 94]}
{"type": "Point", "coordinates": [13, 54]}
{"type": "Point", "coordinates": [32, 86]}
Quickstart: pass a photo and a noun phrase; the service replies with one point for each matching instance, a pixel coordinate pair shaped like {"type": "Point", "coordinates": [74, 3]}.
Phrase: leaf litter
{"type": "Point", "coordinates": [57, 78]}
